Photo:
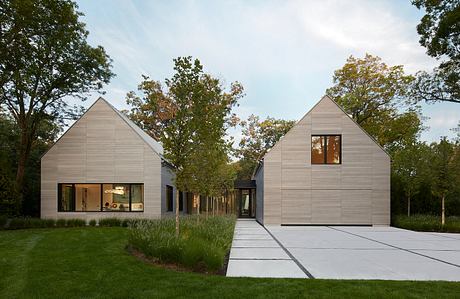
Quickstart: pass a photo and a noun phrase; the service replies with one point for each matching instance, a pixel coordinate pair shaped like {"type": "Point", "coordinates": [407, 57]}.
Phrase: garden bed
{"type": "Point", "coordinates": [202, 246]}
{"type": "Point", "coordinates": [427, 223]}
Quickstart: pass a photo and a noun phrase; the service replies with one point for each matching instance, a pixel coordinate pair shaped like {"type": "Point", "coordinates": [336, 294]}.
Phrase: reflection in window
{"type": "Point", "coordinates": [169, 198]}
{"type": "Point", "coordinates": [317, 149]}
{"type": "Point", "coordinates": [88, 197]}
{"type": "Point", "coordinates": [100, 197]}
{"type": "Point", "coordinates": [326, 149]}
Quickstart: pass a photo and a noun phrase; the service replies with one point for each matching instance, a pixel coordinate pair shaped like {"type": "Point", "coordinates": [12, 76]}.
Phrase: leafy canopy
{"type": "Point", "coordinates": [439, 31]}
{"type": "Point", "coordinates": [377, 97]}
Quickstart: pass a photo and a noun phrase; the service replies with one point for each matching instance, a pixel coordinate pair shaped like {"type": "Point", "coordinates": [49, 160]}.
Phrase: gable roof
{"type": "Point", "coordinates": [325, 97]}
{"type": "Point", "coordinates": [152, 143]}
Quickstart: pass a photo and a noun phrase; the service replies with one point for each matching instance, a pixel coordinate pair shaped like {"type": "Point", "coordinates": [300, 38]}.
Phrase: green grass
{"type": "Point", "coordinates": [92, 262]}
{"type": "Point", "coordinates": [202, 246]}
{"type": "Point", "coordinates": [428, 223]}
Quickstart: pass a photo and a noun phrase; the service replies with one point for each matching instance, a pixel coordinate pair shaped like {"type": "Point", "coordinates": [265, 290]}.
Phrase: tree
{"type": "Point", "coordinates": [439, 31]}
{"type": "Point", "coordinates": [154, 110]}
{"type": "Point", "coordinates": [193, 138]}
{"type": "Point", "coordinates": [410, 165]}
{"type": "Point", "coordinates": [377, 97]}
{"type": "Point", "coordinates": [443, 171]}
{"type": "Point", "coordinates": [258, 137]}
{"type": "Point", "coordinates": [44, 59]}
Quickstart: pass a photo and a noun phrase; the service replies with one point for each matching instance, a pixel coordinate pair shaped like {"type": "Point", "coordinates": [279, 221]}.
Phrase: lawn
{"type": "Point", "coordinates": [427, 223]}
{"type": "Point", "coordinates": [92, 262]}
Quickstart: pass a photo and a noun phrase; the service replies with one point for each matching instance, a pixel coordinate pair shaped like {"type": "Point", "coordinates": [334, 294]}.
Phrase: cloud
{"type": "Point", "coordinates": [284, 52]}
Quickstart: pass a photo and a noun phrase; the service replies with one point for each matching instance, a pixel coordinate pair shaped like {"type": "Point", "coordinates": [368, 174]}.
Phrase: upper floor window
{"type": "Point", "coordinates": [326, 149]}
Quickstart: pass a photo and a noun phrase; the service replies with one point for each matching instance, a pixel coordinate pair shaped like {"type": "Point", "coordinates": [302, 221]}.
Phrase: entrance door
{"type": "Point", "coordinates": [245, 203]}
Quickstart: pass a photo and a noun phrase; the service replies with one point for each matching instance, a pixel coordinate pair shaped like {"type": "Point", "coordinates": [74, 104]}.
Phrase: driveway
{"type": "Point", "coordinates": [347, 252]}
{"type": "Point", "coordinates": [343, 252]}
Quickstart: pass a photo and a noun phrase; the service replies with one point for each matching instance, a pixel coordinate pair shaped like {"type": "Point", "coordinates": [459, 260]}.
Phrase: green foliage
{"type": "Point", "coordinates": [258, 137]}
{"type": "Point", "coordinates": [3, 221]}
{"type": "Point", "coordinates": [377, 97]}
{"type": "Point", "coordinates": [427, 223]}
{"type": "Point", "coordinates": [27, 222]}
{"type": "Point", "coordinates": [92, 222]}
{"type": "Point", "coordinates": [202, 245]}
{"type": "Point", "coordinates": [110, 222]}
{"type": "Point", "coordinates": [61, 222]}
{"type": "Point", "coordinates": [75, 222]}
{"type": "Point", "coordinates": [439, 32]}
{"type": "Point", "coordinates": [44, 57]}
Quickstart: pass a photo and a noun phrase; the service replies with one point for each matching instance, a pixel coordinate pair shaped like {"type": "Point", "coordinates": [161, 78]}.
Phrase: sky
{"type": "Point", "coordinates": [283, 52]}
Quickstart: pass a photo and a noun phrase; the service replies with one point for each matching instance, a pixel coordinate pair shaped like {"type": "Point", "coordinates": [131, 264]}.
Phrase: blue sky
{"type": "Point", "coordinates": [283, 52]}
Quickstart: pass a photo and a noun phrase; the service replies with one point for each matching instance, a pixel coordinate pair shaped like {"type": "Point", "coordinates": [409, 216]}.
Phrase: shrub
{"type": "Point", "coordinates": [75, 222]}
{"type": "Point", "coordinates": [49, 222]}
{"type": "Point", "coordinates": [429, 223]}
{"type": "Point", "coordinates": [110, 222]}
{"type": "Point", "coordinates": [17, 223]}
{"type": "Point", "coordinates": [60, 222]}
{"type": "Point", "coordinates": [201, 246]}
{"type": "Point", "coordinates": [92, 222]}
{"type": "Point", "coordinates": [3, 221]}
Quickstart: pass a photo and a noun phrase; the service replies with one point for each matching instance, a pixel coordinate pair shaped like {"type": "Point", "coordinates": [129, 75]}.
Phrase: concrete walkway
{"type": "Point", "coordinates": [341, 252]}
{"type": "Point", "coordinates": [255, 253]}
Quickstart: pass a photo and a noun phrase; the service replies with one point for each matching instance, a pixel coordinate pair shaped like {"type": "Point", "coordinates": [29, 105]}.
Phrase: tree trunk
{"type": "Point", "coordinates": [408, 205]}
{"type": "Point", "coordinates": [23, 155]}
{"type": "Point", "coordinates": [443, 215]}
{"type": "Point", "coordinates": [177, 212]}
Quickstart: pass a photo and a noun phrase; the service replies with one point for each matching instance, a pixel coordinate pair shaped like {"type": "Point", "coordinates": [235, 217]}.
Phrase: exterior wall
{"type": "Point", "coordinates": [100, 148]}
{"type": "Point", "coordinates": [354, 192]}
{"type": "Point", "coordinates": [259, 177]}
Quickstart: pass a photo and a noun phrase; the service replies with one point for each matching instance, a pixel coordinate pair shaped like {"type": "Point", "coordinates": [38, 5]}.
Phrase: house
{"type": "Point", "coordinates": [325, 170]}
{"type": "Point", "coordinates": [106, 166]}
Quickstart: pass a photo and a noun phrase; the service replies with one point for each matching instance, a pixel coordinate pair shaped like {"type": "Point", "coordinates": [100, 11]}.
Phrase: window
{"type": "Point", "coordinates": [326, 149]}
{"type": "Point", "coordinates": [181, 201]}
{"type": "Point", "coordinates": [100, 197]}
{"type": "Point", "coordinates": [169, 198]}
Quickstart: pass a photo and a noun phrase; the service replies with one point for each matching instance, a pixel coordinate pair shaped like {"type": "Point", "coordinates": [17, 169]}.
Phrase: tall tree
{"type": "Point", "coordinates": [258, 137]}
{"type": "Point", "coordinates": [45, 58]}
{"type": "Point", "coordinates": [193, 138]}
{"type": "Point", "coordinates": [443, 171]}
{"type": "Point", "coordinates": [439, 31]}
{"type": "Point", "coordinates": [153, 110]}
{"type": "Point", "coordinates": [377, 97]}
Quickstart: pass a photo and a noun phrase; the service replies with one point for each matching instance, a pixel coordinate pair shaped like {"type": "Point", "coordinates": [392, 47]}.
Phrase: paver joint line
{"type": "Point", "coordinates": [400, 248]}
{"type": "Point", "coordinates": [290, 255]}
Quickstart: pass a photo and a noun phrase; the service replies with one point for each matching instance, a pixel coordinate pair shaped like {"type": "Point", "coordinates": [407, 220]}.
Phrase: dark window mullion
{"type": "Point", "coordinates": [325, 149]}
{"type": "Point", "coordinates": [130, 195]}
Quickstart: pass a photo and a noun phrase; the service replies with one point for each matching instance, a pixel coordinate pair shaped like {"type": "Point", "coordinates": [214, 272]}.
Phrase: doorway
{"type": "Point", "coordinates": [246, 204]}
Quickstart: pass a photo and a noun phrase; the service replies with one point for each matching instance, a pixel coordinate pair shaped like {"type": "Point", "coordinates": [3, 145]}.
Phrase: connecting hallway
{"type": "Point", "coordinates": [343, 252]}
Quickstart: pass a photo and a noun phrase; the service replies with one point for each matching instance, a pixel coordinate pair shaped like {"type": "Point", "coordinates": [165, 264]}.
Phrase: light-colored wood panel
{"type": "Point", "coordinates": [326, 207]}
{"type": "Point", "coordinates": [356, 206]}
{"type": "Point", "coordinates": [296, 205]}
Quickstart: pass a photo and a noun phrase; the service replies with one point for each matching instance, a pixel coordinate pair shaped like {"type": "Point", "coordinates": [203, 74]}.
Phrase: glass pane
{"type": "Point", "coordinates": [67, 201]}
{"type": "Point", "coordinates": [317, 149]}
{"type": "Point", "coordinates": [137, 197]}
{"type": "Point", "coordinates": [245, 203]}
{"type": "Point", "coordinates": [87, 197]}
{"type": "Point", "coordinates": [116, 197]}
{"type": "Point", "coordinates": [333, 149]}
{"type": "Point", "coordinates": [169, 198]}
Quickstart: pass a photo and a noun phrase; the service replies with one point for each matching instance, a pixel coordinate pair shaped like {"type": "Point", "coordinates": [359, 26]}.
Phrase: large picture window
{"type": "Point", "coordinates": [326, 149]}
{"type": "Point", "coordinates": [100, 197]}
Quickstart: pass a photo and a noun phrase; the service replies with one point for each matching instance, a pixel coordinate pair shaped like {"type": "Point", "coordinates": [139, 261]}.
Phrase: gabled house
{"type": "Point", "coordinates": [325, 170]}
{"type": "Point", "coordinates": [106, 166]}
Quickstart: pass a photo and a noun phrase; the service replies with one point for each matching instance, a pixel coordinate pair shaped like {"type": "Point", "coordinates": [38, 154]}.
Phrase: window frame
{"type": "Point", "coordinates": [325, 137]}
{"type": "Point", "coordinates": [59, 197]}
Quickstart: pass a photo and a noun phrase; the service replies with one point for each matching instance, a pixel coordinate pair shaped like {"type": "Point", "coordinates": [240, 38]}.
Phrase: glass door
{"type": "Point", "coordinates": [245, 203]}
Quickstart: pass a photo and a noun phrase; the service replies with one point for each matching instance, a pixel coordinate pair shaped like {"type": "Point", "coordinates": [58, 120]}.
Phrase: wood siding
{"type": "Point", "coordinates": [100, 148]}
{"type": "Point", "coordinates": [354, 192]}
